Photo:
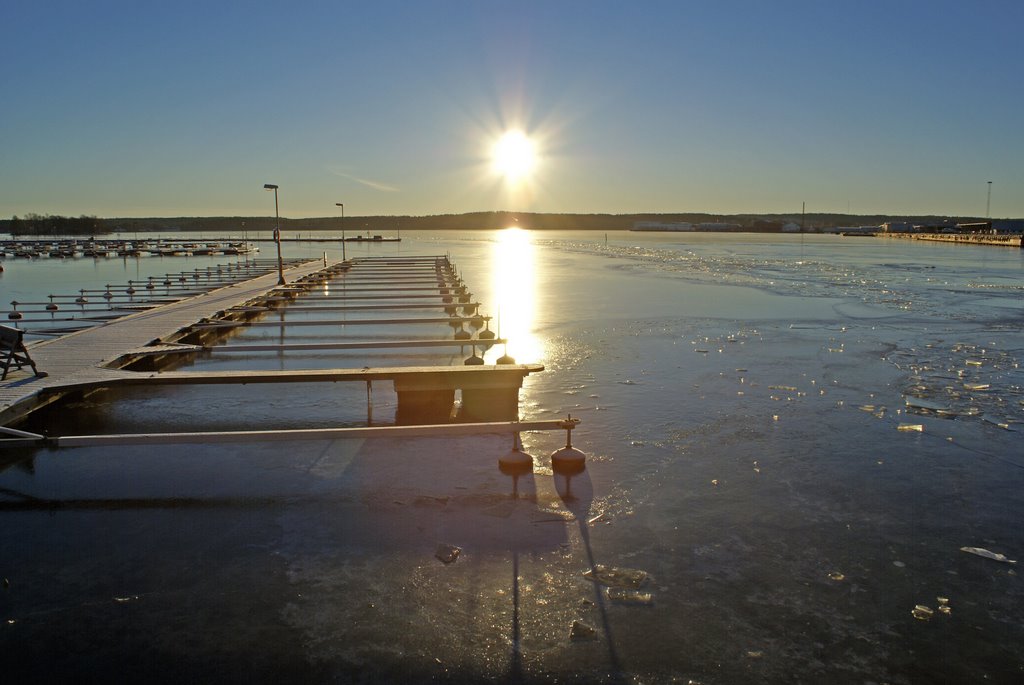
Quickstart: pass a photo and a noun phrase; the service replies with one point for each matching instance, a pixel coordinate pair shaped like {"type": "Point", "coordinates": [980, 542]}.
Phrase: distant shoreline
{"type": "Point", "coordinates": [36, 225]}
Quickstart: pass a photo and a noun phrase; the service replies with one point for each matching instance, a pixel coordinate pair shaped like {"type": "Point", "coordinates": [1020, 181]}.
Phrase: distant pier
{"type": "Point", "coordinates": [66, 248]}
{"type": "Point", "coordinates": [997, 239]}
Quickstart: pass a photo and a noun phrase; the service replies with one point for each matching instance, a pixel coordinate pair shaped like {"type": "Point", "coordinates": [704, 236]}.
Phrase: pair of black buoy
{"type": "Point", "coordinates": [567, 461]}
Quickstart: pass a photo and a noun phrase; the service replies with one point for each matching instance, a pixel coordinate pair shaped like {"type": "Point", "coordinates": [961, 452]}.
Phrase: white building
{"type": "Point", "coordinates": [897, 227]}
{"type": "Point", "coordinates": [661, 226]}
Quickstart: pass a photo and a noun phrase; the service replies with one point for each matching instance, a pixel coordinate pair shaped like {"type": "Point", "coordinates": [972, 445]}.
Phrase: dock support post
{"type": "Point", "coordinates": [491, 395]}
{"type": "Point", "coordinates": [490, 404]}
{"type": "Point", "coordinates": [424, 406]}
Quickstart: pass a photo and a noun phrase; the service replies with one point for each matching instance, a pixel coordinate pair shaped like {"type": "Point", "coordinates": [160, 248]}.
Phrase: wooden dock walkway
{"type": "Point", "coordinates": [83, 357]}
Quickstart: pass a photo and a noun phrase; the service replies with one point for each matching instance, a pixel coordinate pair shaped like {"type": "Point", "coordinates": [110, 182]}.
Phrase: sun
{"type": "Point", "coordinates": [514, 156]}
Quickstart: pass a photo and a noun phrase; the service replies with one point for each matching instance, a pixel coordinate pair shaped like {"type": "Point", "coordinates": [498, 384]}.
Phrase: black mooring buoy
{"type": "Point", "coordinates": [486, 333]}
{"type": "Point", "coordinates": [515, 462]}
{"type": "Point", "coordinates": [568, 460]}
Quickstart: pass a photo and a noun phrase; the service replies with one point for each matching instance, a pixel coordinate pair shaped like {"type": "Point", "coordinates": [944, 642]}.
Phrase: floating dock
{"type": "Point", "coordinates": [89, 355]}
{"type": "Point", "coordinates": [104, 355]}
{"type": "Point", "coordinates": [66, 248]}
{"type": "Point", "coordinates": [60, 314]}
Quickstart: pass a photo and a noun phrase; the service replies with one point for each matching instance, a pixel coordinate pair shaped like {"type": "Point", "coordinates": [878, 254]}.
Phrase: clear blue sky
{"type": "Point", "coordinates": [137, 108]}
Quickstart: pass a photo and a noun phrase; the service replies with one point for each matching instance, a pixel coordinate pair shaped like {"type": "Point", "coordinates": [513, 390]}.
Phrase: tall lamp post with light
{"type": "Point", "coordinates": [342, 205]}
{"type": "Point", "coordinates": [277, 234]}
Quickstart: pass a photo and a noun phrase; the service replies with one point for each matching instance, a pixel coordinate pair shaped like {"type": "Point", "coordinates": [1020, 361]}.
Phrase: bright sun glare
{"type": "Point", "coordinates": [514, 156]}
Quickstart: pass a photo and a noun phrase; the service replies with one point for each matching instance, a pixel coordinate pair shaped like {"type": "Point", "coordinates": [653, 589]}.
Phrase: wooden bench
{"type": "Point", "coordinates": [13, 351]}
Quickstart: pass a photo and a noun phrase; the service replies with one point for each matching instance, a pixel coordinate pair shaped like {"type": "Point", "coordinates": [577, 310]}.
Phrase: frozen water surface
{"type": "Point", "coordinates": [740, 397]}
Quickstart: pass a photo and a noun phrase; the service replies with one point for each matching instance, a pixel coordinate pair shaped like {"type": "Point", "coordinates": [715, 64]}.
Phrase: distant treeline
{"type": "Point", "coordinates": [50, 224]}
{"type": "Point", "coordinates": [34, 224]}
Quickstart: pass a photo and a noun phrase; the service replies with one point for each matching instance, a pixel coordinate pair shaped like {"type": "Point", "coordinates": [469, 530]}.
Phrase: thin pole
{"type": "Point", "coordinates": [988, 203]}
{"type": "Point", "coordinates": [344, 257]}
{"type": "Point", "coordinates": [369, 403]}
{"type": "Point", "coordinates": [803, 217]}
{"type": "Point", "coordinates": [277, 238]}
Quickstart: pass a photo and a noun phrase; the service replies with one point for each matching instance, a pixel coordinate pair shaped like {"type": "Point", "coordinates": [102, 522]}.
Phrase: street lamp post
{"type": "Point", "coordinates": [342, 205]}
{"type": "Point", "coordinates": [277, 234]}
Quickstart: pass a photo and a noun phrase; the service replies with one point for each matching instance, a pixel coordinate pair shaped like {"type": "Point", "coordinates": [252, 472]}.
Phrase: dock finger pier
{"type": "Point", "coordinates": [378, 306]}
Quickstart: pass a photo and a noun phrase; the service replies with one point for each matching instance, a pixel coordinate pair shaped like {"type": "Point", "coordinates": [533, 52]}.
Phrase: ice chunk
{"type": "Point", "coordinates": [581, 631]}
{"type": "Point", "coordinates": [616, 577]}
{"type": "Point", "coordinates": [982, 552]}
{"type": "Point", "coordinates": [622, 595]}
{"type": "Point", "coordinates": [922, 613]}
{"type": "Point", "coordinates": [910, 427]}
{"type": "Point", "coordinates": [918, 403]}
{"type": "Point", "coordinates": [447, 553]}
{"type": "Point", "coordinates": [996, 422]}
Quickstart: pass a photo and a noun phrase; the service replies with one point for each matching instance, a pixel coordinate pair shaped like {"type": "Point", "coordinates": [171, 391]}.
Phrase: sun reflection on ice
{"type": "Point", "coordinates": [514, 287]}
